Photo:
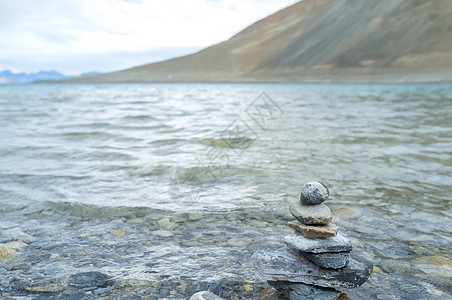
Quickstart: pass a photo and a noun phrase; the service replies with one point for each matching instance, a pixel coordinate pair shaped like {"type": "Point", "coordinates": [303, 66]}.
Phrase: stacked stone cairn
{"type": "Point", "coordinates": [317, 262]}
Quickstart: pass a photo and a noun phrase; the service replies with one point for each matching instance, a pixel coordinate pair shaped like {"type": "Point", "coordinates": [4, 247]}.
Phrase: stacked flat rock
{"type": "Point", "coordinates": [317, 262]}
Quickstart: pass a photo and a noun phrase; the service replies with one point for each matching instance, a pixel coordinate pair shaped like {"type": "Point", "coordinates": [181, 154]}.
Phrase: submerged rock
{"type": "Point", "coordinates": [162, 233]}
{"type": "Point", "coordinates": [311, 214]}
{"type": "Point", "coordinates": [288, 265]}
{"type": "Point", "coordinates": [313, 193]}
{"type": "Point", "coordinates": [239, 242]}
{"type": "Point", "coordinates": [300, 291]}
{"type": "Point", "coordinates": [204, 286]}
{"type": "Point", "coordinates": [329, 260]}
{"type": "Point", "coordinates": [89, 280]}
{"type": "Point", "coordinates": [205, 295]}
{"type": "Point", "coordinates": [340, 243]}
{"type": "Point", "coordinates": [314, 231]}
{"type": "Point", "coordinates": [270, 293]}
{"type": "Point", "coordinates": [10, 251]}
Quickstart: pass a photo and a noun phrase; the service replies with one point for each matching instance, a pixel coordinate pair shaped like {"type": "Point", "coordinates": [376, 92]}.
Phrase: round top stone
{"type": "Point", "coordinates": [313, 193]}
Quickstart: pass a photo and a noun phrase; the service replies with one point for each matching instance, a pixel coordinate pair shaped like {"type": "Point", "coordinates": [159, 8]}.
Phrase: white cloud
{"type": "Point", "coordinates": [81, 35]}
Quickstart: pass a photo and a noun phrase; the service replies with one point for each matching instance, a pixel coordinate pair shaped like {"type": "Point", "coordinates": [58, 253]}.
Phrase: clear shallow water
{"type": "Point", "coordinates": [383, 150]}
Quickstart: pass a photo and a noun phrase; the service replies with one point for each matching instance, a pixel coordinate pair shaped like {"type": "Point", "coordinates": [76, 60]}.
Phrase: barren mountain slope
{"type": "Point", "coordinates": [322, 41]}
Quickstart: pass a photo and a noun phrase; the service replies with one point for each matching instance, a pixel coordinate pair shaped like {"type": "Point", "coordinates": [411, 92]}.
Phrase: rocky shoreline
{"type": "Point", "coordinates": [70, 251]}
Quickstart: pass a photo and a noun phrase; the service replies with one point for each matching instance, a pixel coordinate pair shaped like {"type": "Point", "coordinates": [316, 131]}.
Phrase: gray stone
{"type": "Point", "coordinates": [205, 286]}
{"type": "Point", "coordinates": [329, 260]}
{"type": "Point", "coordinates": [311, 214]}
{"type": "Point", "coordinates": [19, 266]}
{"type": "Point", "coordinates": [338, 243]}
{"type": "Point", "coordinates": [300, 291]}
{"type": "Point", "coordinates": [270, 293]}
{"type": "Point", "coordinates": [89, 280]}
{"type": "Point", "coordinates": [288, 265]}
{"type": "Point", "coordinates": [314, 231]}
{"type": "Point", "coordinates": [205, 295]}
{"type": "Point", "coordinates": [313, 193]}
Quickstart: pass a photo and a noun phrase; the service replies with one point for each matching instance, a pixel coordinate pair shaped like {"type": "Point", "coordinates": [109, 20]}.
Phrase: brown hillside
{"type": "Point", "coordinates": [322, 41]}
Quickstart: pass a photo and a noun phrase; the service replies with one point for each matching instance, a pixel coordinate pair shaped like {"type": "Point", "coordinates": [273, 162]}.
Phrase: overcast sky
{"type": "Point", "coordinates": [75, 36]}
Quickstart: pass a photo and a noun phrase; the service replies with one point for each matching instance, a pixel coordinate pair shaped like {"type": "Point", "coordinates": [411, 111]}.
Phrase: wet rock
{"type": "Point", "coordinates": [18, 267]}
{"type": "Point", "coordinates": [118, 233]}
{"type": "Point", "coordinates": [74, 295]}
{"type": "Point", "coordinates": [270, 293]}
{"type": "Point", "coordinates": [314, 231]}
{"type": "Point", "coordinates": [162, 233]}
{"type": "Point", "coordinates": [9, 251]}
{"type": "Point", "coordinates": [54, 256]}
{"type": "Point", "coordinates": [434, 265]}
{"type": "Point", "coordinates": [100, 291]}
{"type": "Point", "coordinates": [311, 214]}
{"type": "Point", "coordinates": [329, 260]}
{"type": "Point", "coordinates": [51, 269]}
{"type": "Point", "coordinates": [15, 234]}
{"type": "Point", "coordinates": [89, 280]}
{"type": "Point", "coordinates": [288, 265]}
{"type": "Point", "coordinates": [313, 193]}
{"type": "Point", "coordinates": [49, 287]}
{"type": "Point", "coordinates": [194, 216]}
{"type": "Point", "coordinates": [203, 286]}
{"type": "Point", "coordinates": [163, 222]}
{"type": "Point", "coordinates": [340, 243]}
{"type": "Point", "coordinates": [377, 270]}
{"type": "Point", "coordinates": [239, 242]}
{"type": "Point", "coordinates": [300, 291]}
{"type": "Point", "coordinates": [205, 295]}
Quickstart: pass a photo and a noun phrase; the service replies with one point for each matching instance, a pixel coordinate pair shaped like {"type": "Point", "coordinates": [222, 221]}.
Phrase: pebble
{"type": "Point", "coordinates": [89, 280]}
{"type": "Point", "coordinates": [162, 233]}
{"type": "Point", "coordinates": [288, 265]}
{"type": "Point", "coordinates": [163, 222]}
{"type": "Point", "coordinates": [45, 288]}
{"type": "Point", "coordinates": [313, 193]}
{"type": "Point", "coordinates": [313, 231]}
{"type": "Point", "coordinates": [205, 286]}
{"type": "Point", "coordinates": [205, 295]}
{"type": "Point", "coordinates": [239, 242]}
{"type": "Point", "coordinates": [329, 260]}
{"type": "Point", "coordinates": [434, 265]}
{"type": "Point", "coordinates": [118, 233]}
{"type": "Point", "coordinates": [9, 251]}
{"type": "Point", "coordinates": [340, 243]}
{"type": "Point", "coordinates": [270, 293]}
{"type": "Point", "coordinates": [16, 267]}
{"type": "Point", "coordinates": [311, 214]}
{"type": "Point", "coordinates": [15, 234]}
{"type": "Point", "coordinates": [194, 216]}
{"type": "Point", "coordinates": [300, 291]}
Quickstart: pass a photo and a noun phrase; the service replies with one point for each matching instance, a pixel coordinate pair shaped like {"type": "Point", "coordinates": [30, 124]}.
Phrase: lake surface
{"type": "Point", "coordinates": [172, 179]}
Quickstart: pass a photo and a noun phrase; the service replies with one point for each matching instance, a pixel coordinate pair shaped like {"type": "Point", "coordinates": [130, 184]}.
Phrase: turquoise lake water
{"type": "Point", "coordinates": [385, 152]}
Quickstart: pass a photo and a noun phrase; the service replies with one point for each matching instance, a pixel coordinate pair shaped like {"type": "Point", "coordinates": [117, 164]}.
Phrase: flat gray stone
{"type": "Point", "coordinates": [300, 291]}
{"type": "Point", "coordinates": [311, 214]}
{"type": "Point", "coordinates": [313, 193]}
{"type": "Point", "coordinates": [338, 243]}
{"type": "Point", "coordinates": [288, 265]}
{"type": "Point", "coordinates": [329, 260]}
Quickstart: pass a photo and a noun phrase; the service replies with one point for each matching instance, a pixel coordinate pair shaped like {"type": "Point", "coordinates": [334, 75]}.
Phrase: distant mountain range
{"type": "Point", "coordinates": [9, 77]}
{"type": "Point", "coordinates": [321, 41]}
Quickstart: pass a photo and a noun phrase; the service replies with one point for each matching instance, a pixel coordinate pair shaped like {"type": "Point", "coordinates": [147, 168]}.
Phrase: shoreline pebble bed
{"type": "Point", "coordinates": [71, 251]}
